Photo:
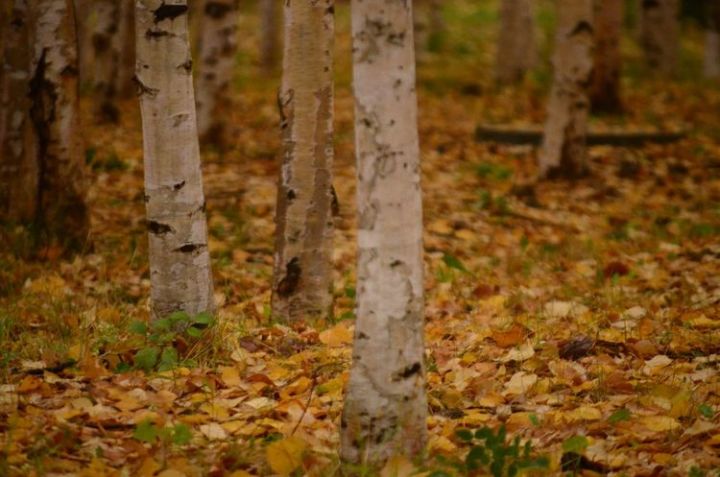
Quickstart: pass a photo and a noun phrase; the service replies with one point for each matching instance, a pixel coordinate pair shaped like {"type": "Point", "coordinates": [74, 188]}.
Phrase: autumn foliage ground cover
{"type": "Point", "coordinates": [582, 316]}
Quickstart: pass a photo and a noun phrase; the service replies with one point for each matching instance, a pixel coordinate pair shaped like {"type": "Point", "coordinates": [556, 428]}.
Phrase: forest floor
{"type": "Point", "coordinates": [583, 316]}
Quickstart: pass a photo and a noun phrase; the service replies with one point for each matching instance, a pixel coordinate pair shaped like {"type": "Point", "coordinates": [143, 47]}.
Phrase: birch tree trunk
{"type": "Point", "coordinates": [659, 34]}
{"type": "Point", "coordinates": [711, 64]}
{"type": "Point", "coordinates": [563, 151]}
{"type": "Point", "coordinates": [84, 22]}
{"type": "Point", "coordinates": [302, 279]}
{"type": "Point", "coordinates": [217, 57]}
{"type": "Point", "coordinates": [605, 87]}
{"type": "Point", "coordinates": [385, 405]}
{"type": "Point", "coordinates": [269, 34]}
{"type": "Point", "coordinates": [62, 214]}
{"type": "Point", "coordinates": [179, 260]}
{"type": "Point", "coordinates": [19, 170]}
{"type": "Point", "coordinates": [516, 51]}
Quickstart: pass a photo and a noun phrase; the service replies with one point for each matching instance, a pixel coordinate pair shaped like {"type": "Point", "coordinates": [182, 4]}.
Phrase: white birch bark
{"type": "Point", "coordinates": [217, 57]}
{"type": "Point", "coordinates": [385, 405]}
{"type": "Point", "coordinates": [605, 87]}
{"type": "Point", "coordinates": [62, 213]}
{"type": "Point", "coordinates": [19, 171]}
{"type": "Point", "coordinates": [563, 151]}
{"type": "Point", "coordinates": [179, 260]}
{"type": "Point", "coordinates": [659, 33]}
{"type": "Point", "coordinates": [711, 63]}
{"type": "Point", "coordinates": [269, 32]}
{"type": "Point", "coordinates": [302, 279]}
{"type": "Point", "coordinates": [516, 51]}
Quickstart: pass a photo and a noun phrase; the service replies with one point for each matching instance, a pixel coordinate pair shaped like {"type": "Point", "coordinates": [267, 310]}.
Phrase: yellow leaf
{"type": "Point", "coordinates": [240, 473]}
{"type": "Point", "coordinates": [659, 423]}
{"type": "Point", "coordinates": [171, 473]}
{"type": "Point", "coordinates": [148, 467]}
{"type": "Point", "coordinates": [336, 336]}
{"type": "Point", "coordinates": [285, 456]}
{"type": "Point", "coordinates": [583, 413]}
{"type": "Point", "coordinates": [520, 383]}
{"type": "Point", "coordinates": [703, 321]}
{"type": "Point", "coordinates": [230, 376]}
{"type": "Point", "coordinates": [398, 466]}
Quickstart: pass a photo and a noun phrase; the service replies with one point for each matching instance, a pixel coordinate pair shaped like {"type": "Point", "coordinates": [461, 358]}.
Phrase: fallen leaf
{"type": "Point", "coordinates": [338, 335]}
{"type": "Point", "coordinates": [285, 456]}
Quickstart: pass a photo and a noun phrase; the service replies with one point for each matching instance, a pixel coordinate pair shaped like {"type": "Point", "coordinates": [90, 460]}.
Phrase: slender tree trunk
{"type": "Point", "coordinates": [516, 52]}
{"type": "Point", "coordinates": [563, 149]}
{"type": "Point", "coordinates": [660, 34]}
{"type": "Point", "coordinates": [85, 19]}
{"type": "Point", "coordinates": [269, 31]}
{"type": "Point", "coordinates": [18, 155]}
{"type": "Point", "coordinates": [62, 214]}
{"type": "Point", "coordinates": [124, 85]}
{"type": "Point", "coordinates": [605, 87]}
{"type": "Point", "coordinates": [302, 282]}
{"type": "Point", "coordinates": [711, 67]}
{"type": "Point", "coordinates": [179, 260]}
{"type": "Point", "coordinates": [106, 42]}
{"type": "Point", "coordinates": [217, 58]}
{"type": "Point", "coordinates": [385, 405]}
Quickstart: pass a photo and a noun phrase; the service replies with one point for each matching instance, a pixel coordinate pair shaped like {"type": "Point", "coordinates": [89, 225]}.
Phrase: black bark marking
{"type": "Point", "coordinates": [158, 228]}
{"type": "Point", "coordinates": [142, 89]}
{"type": "Point", "coordinates": [395, 263]}
{"type": "Point", "coordinates": [217, 10]}
{"type": "Point", "coordinates": [582, 27]}
{"type": "Point", "coordinates": [165, 12]}
{"type": "Point", "coordinates": [291, 195]}
{"type": "Point", "coordinates": [363, 336]}
{"type": "Point", "coordinates": [155, 34]}
{"type": "Point", "coordinates": [290, 282]}
{"type": "Point", "coordinates": [335, 204]}
{"type": "Point", "coordinates": [189, 247]}
{"type": "Point", "coordinates": [409, 371]}
{"type": "Point", "coordinates": [179, 185]}
{"type": "Point", "coordinates": [187, 66]}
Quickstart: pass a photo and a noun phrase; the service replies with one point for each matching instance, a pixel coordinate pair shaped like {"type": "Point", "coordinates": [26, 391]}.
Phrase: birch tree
{"type": "Point", "coordinates": [605, 87]}
{"type": "Point", "coordinates": [711, 64]}
{"type": "Point", "coordinates": [217, 57]}
{"type": "Point", "coordinates": [53, 147]}
{"type": "Point", "coordinates": [385, 405]}
{"type": "Point", "coordinates": [516, 49]}
{"type": "Point", "coordinates": [269, 34]}
{"type": "Point", "coordinates": [302, 279]}
{"type": "Point", "coordinates": [19, 171]}
{"type": "Point", "coordinates": [106, 43]}
{"type": "Point", "coordinates": [179, 260]}
{"type": "Point", "coordinates": [563, 151]}
{"type": "Point", "coordinates": [659, 33]}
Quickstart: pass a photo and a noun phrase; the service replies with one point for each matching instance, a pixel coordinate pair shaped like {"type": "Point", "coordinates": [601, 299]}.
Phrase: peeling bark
{"type": "Point", "coordinates": [217, 58]}
{"type": "Point", "coordinates": [302, 279]}
{"type": "Point", "coordinates": [18, 159]}
{"type": "Point", "coordinates": [605, 86]}
{"type": "Point", "coordinates": [516, 53]}
{"type": "Point", "coordinates": [563, 151]}
{"type": "Point", "coordinates": [179, 259]}
{"type": "Point", "coordinates": [385, 406]}
{"type": "Point", "coordinates": [659, 33]}
{"type": "Point", "coordinates": [62, 214]}
{"type": "Point", "coordinates": [269, 34]}
{"type": "Point", "coordinates": [711, 63]}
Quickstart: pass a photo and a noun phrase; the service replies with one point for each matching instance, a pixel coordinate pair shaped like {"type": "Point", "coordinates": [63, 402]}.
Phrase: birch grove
{"type": "Point", "coordinates": [385, 404]}
{"type": "Point", "coordinates": [563, 151]}
{"type": "Point", "coordinates": [218, 47]}
{"type": "Point", "coordinates": [178, 243]}
{"type": "Point", "coordinates": [516, 50]}
{"type": "Point", "coordinates": [302, 278]}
